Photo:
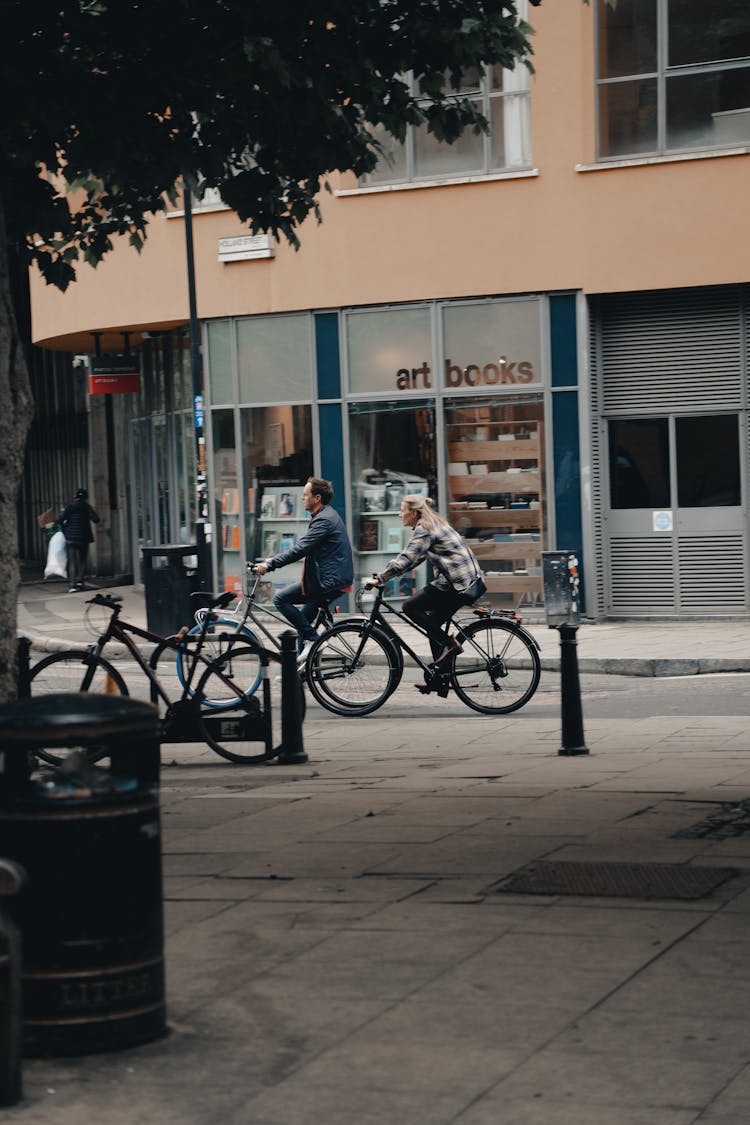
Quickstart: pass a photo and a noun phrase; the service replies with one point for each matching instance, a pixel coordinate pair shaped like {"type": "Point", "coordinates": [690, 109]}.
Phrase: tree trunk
{"type": "Point", "coordinates": [16, 411]}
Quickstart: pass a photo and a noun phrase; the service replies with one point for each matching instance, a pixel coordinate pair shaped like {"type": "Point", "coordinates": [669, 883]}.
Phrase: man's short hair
{"type": "Point", "coordinates": [321, 488]}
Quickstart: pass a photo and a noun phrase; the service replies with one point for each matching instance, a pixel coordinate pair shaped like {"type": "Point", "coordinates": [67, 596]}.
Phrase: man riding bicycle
{"type": "Point", "coordinates": [327, 567]}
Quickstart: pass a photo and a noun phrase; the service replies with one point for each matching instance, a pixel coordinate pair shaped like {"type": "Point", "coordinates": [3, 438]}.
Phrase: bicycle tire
{"type": "Point", "coordinates": [213, 649]}
{"type": "Point", "coordinates": [499, 669]}
{"type": "Point", "coordinates": [244, 705]}
{"type": "Point", "coordinates": [74, 670]}
{"type": "Point", "coordinates": [352, 685]}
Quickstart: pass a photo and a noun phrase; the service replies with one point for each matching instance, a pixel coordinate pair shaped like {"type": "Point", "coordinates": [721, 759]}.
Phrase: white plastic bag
{"type": "Point", "coordinates": [57, 557]}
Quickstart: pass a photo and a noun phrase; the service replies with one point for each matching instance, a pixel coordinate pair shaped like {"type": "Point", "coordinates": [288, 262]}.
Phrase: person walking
{"type": "Point", "coordinates": [327, 567]}
{"type": "Point", "coordinates": [75, 520]}
{"type": "Point", "coordinates": [459, 581]}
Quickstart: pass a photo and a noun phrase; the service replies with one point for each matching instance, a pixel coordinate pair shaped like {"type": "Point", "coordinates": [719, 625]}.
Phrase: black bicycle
{"type": "Point", "coordinates": [188, 715]}
{"type": "Point", "coordinates": [356, 665]}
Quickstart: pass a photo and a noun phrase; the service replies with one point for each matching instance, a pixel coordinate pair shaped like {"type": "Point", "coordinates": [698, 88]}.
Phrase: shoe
{"type": "Point", "coordinates": [74, 589]}
{"type": "Point", "coordinates": [305, 652]}
{"type": "Point", "coordinates": [449, 650]}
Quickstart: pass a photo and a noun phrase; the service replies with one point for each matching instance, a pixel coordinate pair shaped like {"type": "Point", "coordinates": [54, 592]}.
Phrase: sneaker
{"type": "Point", "coordinates": [305, 652]}
{"type": "Point", "coordinates": [74, 589]}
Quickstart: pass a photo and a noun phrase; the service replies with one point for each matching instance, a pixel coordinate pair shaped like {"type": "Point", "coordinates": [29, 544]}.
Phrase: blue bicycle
{"type": "Point", "coordinates": [243, 623]}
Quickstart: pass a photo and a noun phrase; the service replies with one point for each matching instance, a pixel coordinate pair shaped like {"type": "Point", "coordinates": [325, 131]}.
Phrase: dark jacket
{"type": "Point", "coordinates": [76, 519]}
{"type": "Point", "coordinates": [327, 552]}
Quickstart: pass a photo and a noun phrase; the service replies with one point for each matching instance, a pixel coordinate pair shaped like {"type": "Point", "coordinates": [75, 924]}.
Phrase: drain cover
{"type": "Point", "coordinates": [618, 880]}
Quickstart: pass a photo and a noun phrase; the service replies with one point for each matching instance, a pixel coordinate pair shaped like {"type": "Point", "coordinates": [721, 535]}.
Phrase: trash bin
{"type": "Point", "coordinates": [561, 587]}
{"type": "Point", "coordinates": [90, 912]}
{"type": "Point", "coordinates": [170, 575]}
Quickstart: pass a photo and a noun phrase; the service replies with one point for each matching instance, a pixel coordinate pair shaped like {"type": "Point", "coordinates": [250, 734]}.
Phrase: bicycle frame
{"type": "Point", "coordinates": [251, 613]}
{"type": "Point", "coordinates": [118, 630]}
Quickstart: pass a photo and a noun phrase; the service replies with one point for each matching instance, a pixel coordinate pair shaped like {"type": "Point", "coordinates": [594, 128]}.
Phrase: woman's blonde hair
{"type": "Point", "coordinates": [422, 505]}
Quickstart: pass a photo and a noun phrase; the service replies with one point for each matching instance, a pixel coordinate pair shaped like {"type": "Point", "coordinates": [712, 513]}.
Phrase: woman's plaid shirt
{"type": "Point", "coordinates": [455, 562]}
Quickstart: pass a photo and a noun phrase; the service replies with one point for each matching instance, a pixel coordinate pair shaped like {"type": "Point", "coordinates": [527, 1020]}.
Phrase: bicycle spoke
{"type": "Point", "coordinates": [499, 669]}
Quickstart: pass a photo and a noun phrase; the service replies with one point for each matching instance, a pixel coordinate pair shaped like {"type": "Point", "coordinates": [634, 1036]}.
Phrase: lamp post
{"type": "Point", "coordinates": [202, 521]}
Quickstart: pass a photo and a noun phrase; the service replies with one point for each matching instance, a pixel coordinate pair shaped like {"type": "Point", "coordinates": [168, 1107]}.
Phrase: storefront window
{"type": "Point", "coordinates": [496, 492]}
{"type": "Point", "coordinates": [277, 459]}
{"type": "Point", "coordinates": [390, 350]}
{"type": "Point", "coordinates": [393, 453]}
{"type": "Point", "coordinates": [219, 334]}
{"type": "Point", "coordinates": [274, 356]}
{"type": "Point", "coordinates": [492, 345]}
{"type": "Point", "coordinates": [226, 502]}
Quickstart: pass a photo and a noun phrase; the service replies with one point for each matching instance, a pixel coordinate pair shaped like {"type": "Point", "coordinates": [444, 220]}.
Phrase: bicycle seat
{"type": "Point", "coordinates": [223, 600]}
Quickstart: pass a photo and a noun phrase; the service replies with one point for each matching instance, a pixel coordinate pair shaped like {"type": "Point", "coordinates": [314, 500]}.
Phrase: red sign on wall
{"type": "Point", "coordinates": [114, 374]}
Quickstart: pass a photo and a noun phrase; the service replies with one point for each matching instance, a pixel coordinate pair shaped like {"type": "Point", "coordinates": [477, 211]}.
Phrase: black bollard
{"type": "Point", "coordinates": [292, 750]}
{"type": "Point", "coordinates": [570, 694]}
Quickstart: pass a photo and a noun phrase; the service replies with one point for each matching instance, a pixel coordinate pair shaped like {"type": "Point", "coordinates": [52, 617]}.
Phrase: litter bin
{"type": "Point", "coordinates": [90, 913]}
{"type": "Point", "coordinates": [170, 575]}
{"type": "Point", "coordinates": [561, 588]}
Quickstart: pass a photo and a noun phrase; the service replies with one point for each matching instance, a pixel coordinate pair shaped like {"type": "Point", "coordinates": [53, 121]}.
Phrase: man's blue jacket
{"type": "Point", "coordinates": [327, 552]}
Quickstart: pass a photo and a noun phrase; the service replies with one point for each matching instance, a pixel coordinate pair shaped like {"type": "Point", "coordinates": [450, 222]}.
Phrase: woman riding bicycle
{"type": "Point", "coordinates": [459, 581]}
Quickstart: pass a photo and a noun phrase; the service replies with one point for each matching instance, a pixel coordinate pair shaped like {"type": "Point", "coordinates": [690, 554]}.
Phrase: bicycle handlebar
{"type": "Point", "coordinates": [108, 600]}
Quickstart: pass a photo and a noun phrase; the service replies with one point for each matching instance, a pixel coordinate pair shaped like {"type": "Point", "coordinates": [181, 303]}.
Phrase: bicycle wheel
{"type": "Point", "coordinates": [498, 670]}
{"type": "Point", "coordinates": [220, 635]}
{"type": "Point", "coordinates": [74, 671]}
{"type": "Point", "coordinates": [349, 678]}
{"type": "Point", "coordinates": [239, 735]}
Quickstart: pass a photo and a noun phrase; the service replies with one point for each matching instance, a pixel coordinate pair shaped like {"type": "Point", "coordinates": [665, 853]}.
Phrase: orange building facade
{"type": "Point", "coordinates": [544, 329]}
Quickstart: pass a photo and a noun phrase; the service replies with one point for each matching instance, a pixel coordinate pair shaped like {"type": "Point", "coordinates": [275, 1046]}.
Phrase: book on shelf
{"type": "Point", "coordinates": [235, 538]}
{"type": "Point", "coordinates": [478, 470]}
{"type": "Point", "coordinates": [271, 541]}
{"type": "Point", "coordinates": [369, 535]}
{"type": "Point", "coordinates": [287, 505]}
{"type": "Point", "coordinates": [457, 469]}
{"type": "Point", "coordinates": [394, 539]}
{"type": "Point", "coordinates": [251, 499]}
{"type": "Point", "coordinates": [287, 541]}
{"type": "Point", "coordinates": [268, 506]}
{"type": "Point", "coordinates": [232, 582]}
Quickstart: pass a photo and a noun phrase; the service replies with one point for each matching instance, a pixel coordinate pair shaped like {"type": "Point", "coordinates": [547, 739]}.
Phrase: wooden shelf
{"type": "Point", "coordinates": [520, 449]}
{"type": "Point", "coordinates": [513, 583]}
{"type": "Point", "coordinates": [491, 549]}
{"type": "Point", "coordinates": [495, 482]}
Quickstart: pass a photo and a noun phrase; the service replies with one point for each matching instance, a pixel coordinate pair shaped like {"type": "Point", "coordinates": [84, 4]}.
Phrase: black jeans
{"type": "Point", "coordinates": [430, 609]}
{"type": "Point", "coordinates": [77, 555]}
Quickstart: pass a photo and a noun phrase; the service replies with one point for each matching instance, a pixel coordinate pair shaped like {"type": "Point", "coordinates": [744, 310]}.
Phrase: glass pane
{"type": "Point", "coordinates": [701, 32]}
{"type": "Point", "coordinates": [627, 38]}
{"type": "Point", "coordinates": [493, 344]}
{"type": "Point", "coordinates": [496, 492]}
{"type": "Point", "coordinates": [639, 463]}
{"type": "Point", "coordinates": [275, 358]}
{"type": "Point", "coordinates": [436, 158]}
{"type": "Point", "coordinates": [709, 109]}
{"type": "Point", "coordinates": [627, 118]}
{"type": "Point", "coordinates": [276, 461]}
{"type": "Point", "coordinates": [392, 164]}
{"type": "Point", "coordinates": [511, 131]}
{"type": "Point", "coordinates": [226, 498]}
{"type": "Point", "coordinates": [392, 454]}
{"type": "Point", "coordinates": [708, 462]}
{"type": "Point", "coordinates": [390, 350]}
{"type": "Point", "coordinates": [219, 367]}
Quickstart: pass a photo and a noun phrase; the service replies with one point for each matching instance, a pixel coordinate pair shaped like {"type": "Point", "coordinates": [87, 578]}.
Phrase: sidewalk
{"type": "Point", "coordinates": [344, 945]}
{"type": "Point", "coordinates": [54, 619]}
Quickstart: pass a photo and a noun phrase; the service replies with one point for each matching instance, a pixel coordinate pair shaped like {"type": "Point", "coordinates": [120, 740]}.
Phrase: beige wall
{"type": "Point", "coordinates": [659, 225]}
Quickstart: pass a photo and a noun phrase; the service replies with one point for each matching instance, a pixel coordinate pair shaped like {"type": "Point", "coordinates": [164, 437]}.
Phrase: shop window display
{"type": "Point", "coordinates": [393, 453]}
{"type": "Point", "coordinates": [496, 492]}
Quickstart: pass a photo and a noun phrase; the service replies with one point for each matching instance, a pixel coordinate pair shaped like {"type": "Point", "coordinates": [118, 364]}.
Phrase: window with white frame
{"type": "Point", "coordinates": [672, 75]}
{"type": "Point", "coordinates": [502, 97]}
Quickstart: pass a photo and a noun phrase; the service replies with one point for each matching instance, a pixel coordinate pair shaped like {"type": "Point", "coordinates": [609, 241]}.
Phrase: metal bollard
{"type": "Point", "coordinates": [12, 878]}
{"type": "Point", "coordinates": [572, 716]}
{"type": "Point", "coordinates": [570, 694]}
{"type": "Point", "coordinates": [292, 750]}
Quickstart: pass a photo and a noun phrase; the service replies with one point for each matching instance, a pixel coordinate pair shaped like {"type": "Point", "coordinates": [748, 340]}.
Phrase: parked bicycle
{"type": "Point", "coordinates": [233, 734]}
{"type": "Point", "coordinates": [234, 626]}
{"type": "Point", "coordinates": [356, 665]}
